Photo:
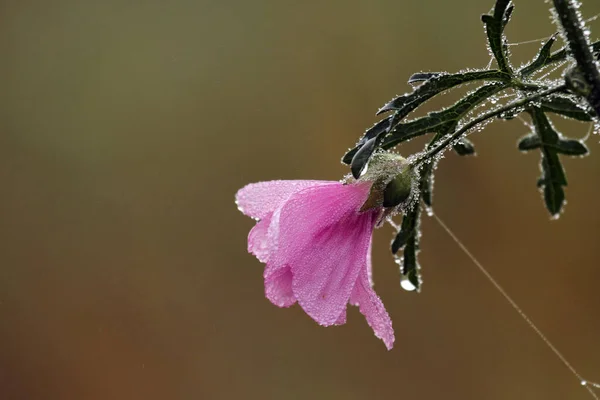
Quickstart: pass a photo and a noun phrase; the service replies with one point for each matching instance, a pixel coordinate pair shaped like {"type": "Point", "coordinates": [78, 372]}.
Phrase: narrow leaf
{"type": "Point", "coordinates": [566, 107]}
{"type": "Point", "coordinates": [426, 184]}
{"type": "Point", "coordinates": [494, 26]}
{"type": "Point", "coordinates": [362, 156]}
{"type": "Point", "coordinates": [408, 238]}
{"type": "Point", "coordinates": [571, 147]}
{"type": "Point", "coordinates": [540, 59]}
{"type": "Point", "coordinates": [423, 76]}
{"type": "Point", "coordinates": [553, 176]}
{"type": "Point", "coordinates": [440, 121]}
{"type": "Point", "coordinates": [410, 265]}
{"type": "Point", "coordinates": [529, 142]}
{"type": "Point", "coordinates": [407, 229]}
{"type": "Point", "coordinates": [561, 54]}
{"type": "Point", "coordinates": [376, 130]}
{"type": "Point", "coordinates": [464, 147]}
{"type": "Point", "coordinates": [408, 102]}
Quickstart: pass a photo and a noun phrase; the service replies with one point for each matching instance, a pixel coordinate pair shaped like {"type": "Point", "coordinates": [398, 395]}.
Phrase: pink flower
{"type": "Point", "coordinates": [316, 243]}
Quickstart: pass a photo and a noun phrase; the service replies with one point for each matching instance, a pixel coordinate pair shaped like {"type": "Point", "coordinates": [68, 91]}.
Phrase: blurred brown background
{"type": "Point", "coordinates": [127, 127]}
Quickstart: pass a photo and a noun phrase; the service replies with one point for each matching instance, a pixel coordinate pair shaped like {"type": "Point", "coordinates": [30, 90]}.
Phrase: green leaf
{"type": "Point", "coordinates": [410, 264]}
{"type": "Point", "coordinates": [407, 229]}
{"type": "Point", "coordinates": [408, 239]}
{"type": "Point", "coordinates": [566, 107]}
{"type": "Point", "coordinates": [553, 176]}
{"type": "Point", "coordinates": [376, 130]}
{"type": "Point", "coordinates": [362, 156]}
{"type": "Point", "coordinates": [554, 197]}
{"type": "Point", "coordinates": [404, 104]}
{"type": "Point", "coordinates": [494, 26]}
{"type": "Point", "coordinates": [571, 147]}
{"type": "Point", "coordinates": [442, 121]}
{"type": "Point", "coordinates": [561, 54]}
{"type": "Point", "coordinates": [540, 60]}
{"type": "Point", "coordinates": [507, 15]}
{"type": "Point", "coordinates": [529, 142]}
{"type": "Point", "coordinates": [426, 184]}
{"type": "Point", "coordinates": [464, 147]}
{"type": "Point", "coordinates": [423, 76]}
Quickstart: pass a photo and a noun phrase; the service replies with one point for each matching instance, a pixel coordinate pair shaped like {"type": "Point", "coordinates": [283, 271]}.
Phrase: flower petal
{"type": "Point", "coordinates": [257, 200]}
{"type": "Point", "coordinates": [372, 308]}
{"type": "Point", "coordinates": [341, 319]}
{"type": "Point", "coordinates": [258, 239]}
{"type": "Point", "coordinates": [324, 240]}
{"type": "Point", "coordinates": [278, 286]}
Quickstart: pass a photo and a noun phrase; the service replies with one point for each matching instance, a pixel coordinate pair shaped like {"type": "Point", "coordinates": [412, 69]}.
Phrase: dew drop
{"type": "Point", "coordinates": [407, 285]}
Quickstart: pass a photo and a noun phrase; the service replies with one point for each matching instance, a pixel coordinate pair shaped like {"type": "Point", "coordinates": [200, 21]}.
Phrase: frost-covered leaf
{"type": "Point", "coordinates": [423, 76]}
{"type": "Point", "coordinates": [561, 54]}
{"type": "Point", "coordinates": [407, 229]}
{"type": "Point", "coordinates": [494, 26]}
{"type": "Point", "coordinates": [407, 239]}
{"type": "Point", "coordinates": [410, 264]}
{"type": "Point", "coordinates": [426, 184]}
{"type": "Point", "coordinates": [442, 121]}
{"type": "Point", "coordinates": [406, 103]}
{"type": "Point", "coordinates": [553, 176]}
{"type": "Point", "coordinates": [571, 147]}
{"type": "Point", "coordinates": [376, 130]}
{"type": "Point", "coordinates": [529, 142]}
{"type": "Point", "coordinates": [566, 107]}
{"type": "Point", "coordinates": [362, 156]}
{"type": "Point", "coordinates": [464, 147]}
{"type": "Point", "coordinates": [540, 60]}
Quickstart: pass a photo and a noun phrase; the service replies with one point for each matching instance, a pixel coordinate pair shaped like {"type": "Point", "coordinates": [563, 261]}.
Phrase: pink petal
{"type": "Point", "coordinates": [372, 308]}
{"type": "Point", "coordinates": [258, 239]}
{"type": "Point", "coordinates": [278, 286]}
{"type": "Point", "coordinates": [257, 200]}
{"type": "Point", "coordinates": [341, 319]}
{"type": "Point", "coordinates": [324, 240]}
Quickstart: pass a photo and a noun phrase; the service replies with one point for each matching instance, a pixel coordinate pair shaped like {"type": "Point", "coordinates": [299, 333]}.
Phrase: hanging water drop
{"type": "Point", "coordinates": [407, 285]}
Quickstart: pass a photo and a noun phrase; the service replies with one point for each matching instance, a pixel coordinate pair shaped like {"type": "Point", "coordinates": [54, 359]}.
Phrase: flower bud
{"type": "Point", "coordinates": [398, 190]}
{"type": "Point", "coordinates": [391, 176]}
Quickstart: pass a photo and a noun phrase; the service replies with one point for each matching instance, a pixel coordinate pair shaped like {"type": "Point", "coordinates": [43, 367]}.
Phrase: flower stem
{"type": "Point", "coordinates": [483, 117]}
{"type": "Point", "coordinates": [579, 45]}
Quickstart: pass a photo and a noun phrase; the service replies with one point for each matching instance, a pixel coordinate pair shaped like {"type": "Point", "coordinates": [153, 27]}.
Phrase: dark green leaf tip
{"type": "Point", "coordinates": [376, 130]}
{"type": "Point", "coordinates": [494, 26]}
{"type": "Point", "coordinates": [423, 76]}
{"type": "Point", "coordinates": [567, 107]}
{"type": "Point", "coordinates": [410, 265]}
{"type": "Point", "coordinates": [347, 159]}
{"type": "Point", "coordinates": [529, 142]}
{"type": "Point", "coordinates": [360, 159]}
{"type": "Point", "coordinates": [571, 147]}
{"type": "Point", "coordinates": [553, 175]}
{"type": "Point", "coordinates": [541, 58]}
{"type": "Point", "coordinates": [464, 147]}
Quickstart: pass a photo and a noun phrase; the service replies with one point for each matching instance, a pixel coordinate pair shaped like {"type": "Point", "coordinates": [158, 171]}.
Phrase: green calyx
{"type": "Point", "coordinates": [398, 190]}
{"type": "Point", "coordinates": [392, 180]}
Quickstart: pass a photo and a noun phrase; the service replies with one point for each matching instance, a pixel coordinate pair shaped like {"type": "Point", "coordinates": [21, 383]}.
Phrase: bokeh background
{"type": "Point", "coordinates": [126, 127]}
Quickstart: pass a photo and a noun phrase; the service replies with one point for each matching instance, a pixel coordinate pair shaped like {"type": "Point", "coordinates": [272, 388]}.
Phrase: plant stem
{"type": "Point", "coordinates": [579, 45]}
{"type": "Point", "coordinates": [491, 114]}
